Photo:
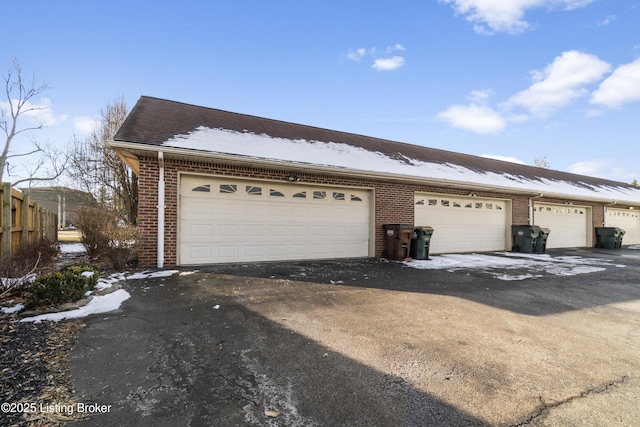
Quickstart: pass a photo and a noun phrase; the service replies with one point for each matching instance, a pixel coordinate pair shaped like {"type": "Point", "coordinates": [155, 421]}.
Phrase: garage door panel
{"type": "Point", "coordinates": [261, 221]}
{"type": "Point", "coordinates": [568, 225]}
{"type": "Point", "coordinates": [253, 251]}
{"type": "Point", "coordinates": [227, 252]}
{"type": "Point", "coordinates": [626, 219]}
{"type": "Point", "coordinates": [462, 224]}
{"type": "Point", "coordinates": [298, 231]}
{"type": "Point", "coordinates": [201, 208]}
{"type": "Point", "coordinates": [199, 230]}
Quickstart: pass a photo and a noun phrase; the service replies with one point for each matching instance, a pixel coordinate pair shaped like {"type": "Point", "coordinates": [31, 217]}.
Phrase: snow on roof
{"type": "Point", "coordinates": [341, 155]}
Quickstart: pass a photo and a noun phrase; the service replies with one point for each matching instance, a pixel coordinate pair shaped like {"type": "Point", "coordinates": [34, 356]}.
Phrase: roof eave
{"type": "Point", "coordinates": [131, 152]}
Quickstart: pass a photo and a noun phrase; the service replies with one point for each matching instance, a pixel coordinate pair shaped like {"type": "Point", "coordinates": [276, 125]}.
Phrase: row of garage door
{"type": "Point", "coordinates": [229, 220]}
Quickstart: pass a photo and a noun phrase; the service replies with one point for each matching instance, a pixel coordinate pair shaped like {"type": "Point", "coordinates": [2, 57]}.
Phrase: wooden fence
{"type": "Point", "coordinates": [23, 221]}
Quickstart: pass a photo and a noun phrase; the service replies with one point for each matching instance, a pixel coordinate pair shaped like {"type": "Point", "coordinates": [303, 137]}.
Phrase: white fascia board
{"type": "Point", "coordinates": [150, 150]}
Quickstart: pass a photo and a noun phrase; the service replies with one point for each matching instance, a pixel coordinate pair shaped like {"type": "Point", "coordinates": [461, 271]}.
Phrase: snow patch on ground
{"type": "Point", "coordinates": [151, 274]}
{"type": "Point", "coordinates": [72, 248]}
{"type": "Point", "coordinates": [98, 304]}
{"type": "Point", "coordinates": [533, 264]}
{"type": "Point", "coordinates": [14, 309]}
{"type": "Point", "coordinates": [9, 282]}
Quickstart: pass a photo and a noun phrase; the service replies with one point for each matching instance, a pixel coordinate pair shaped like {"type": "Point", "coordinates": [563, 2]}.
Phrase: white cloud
{"type": "Point", "coordinates": [607, 169]}
{"type": "Point", "coordinates": [474, 118]}
{"type": "Point", "coordinates": [590, 167]}
{"type": "Point", "coordinates": [606, 21]}
{"type": "Point", "coordinates": [357, 54]}
{"type": "Point", "coordinates": [621, 87]}
{"type": "Point", "coordinates": [560, 83]}
{"type": "Point", "coordinates": [504, 158]}
{"type": "Point", "coordinates": [380, 64]}
{"type": "Point", "coordinates": [388, 64]}
{"type": "Point", "coordinates": [41, 112]}
{"type": "Point", "coordinates": [491, 16]}
{"type": "Point", "coordinates": [84, 125]}
{"type": "Point", "coordinates": [480, 96]}
{"type": "Point", "coordinates": [395, 48]}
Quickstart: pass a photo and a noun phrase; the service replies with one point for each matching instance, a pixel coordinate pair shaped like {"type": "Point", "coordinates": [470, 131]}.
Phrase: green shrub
{"type": "Point", "coordinates": [84, 269]}
{"type": "Point", "coordinates": [69, 284]}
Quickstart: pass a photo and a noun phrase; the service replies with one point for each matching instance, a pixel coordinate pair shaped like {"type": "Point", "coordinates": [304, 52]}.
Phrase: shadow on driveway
{"type": "Point", "coordinates": [539, 293]}
{"type": "Point", "coordinates": [183, 352]}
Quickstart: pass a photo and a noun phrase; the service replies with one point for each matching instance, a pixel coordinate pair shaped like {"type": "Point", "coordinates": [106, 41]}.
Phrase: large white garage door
{"type": "Point", "coordinates": [569, 225]}
{"type": "Point", "coordinates": [227, 220]}
{"type": "Point", "coordinates": [628, 220]}
{"type": "Point", "coordinates": [462, 224]}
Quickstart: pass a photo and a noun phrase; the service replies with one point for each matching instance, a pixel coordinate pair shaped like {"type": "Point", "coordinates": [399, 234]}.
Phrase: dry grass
{"type": "Point", "coordinates": [69, 236]}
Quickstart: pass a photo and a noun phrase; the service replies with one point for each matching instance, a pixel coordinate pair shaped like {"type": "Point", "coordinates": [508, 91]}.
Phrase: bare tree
{"type": "Point", "coordinates": [96, 168]}
{"type": "Point", "coordinates": [19, 95]}
{"type": "Point", "coordinates": [541, 162]}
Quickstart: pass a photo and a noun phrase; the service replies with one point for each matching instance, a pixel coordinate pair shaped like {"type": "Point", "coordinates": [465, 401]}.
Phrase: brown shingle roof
{"type": "Point", "coordinates": [154, 121]}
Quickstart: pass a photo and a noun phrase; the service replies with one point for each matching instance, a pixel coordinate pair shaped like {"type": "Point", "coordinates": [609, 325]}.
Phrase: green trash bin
{"type": "Point", "coordinates": [398, 241]}
{"type": "Point", "coordinates": [608, 237]}
{"type": "Point", "coordinates": [541, 241]}
{"type": "Point", "coordinates": [524, 238]}
{"type": "Point", "coordinates": [421, 242]}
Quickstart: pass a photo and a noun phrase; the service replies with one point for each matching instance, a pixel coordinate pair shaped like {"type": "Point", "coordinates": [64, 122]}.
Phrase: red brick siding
{"type": "Point", "coordinates": [393, 201]}
{"type": "Point", "coordinates": [520, 210]}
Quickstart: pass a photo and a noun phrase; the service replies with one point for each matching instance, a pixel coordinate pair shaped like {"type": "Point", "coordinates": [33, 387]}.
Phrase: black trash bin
{"type": "Point", "coordinates": [398, 240]}
{"type": "Point", "coordinates": [421, 242]}
{"type": "Point", "coordinates": [541, 241]}
{"type": "Point", "coordinates": [524, 238]}
{"type": "Point", "coordinates": [619, 240]}
{"type": "Point", "coordinates": [608, 237]}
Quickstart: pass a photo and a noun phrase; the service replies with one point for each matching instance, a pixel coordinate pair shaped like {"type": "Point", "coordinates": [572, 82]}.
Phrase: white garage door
{"type": "Point", "coordinates": [628, 220]}
{"type": "Point", "coordinates": [462, 224]}
{"type": "Point", "coordinates": [227, 220]}
{"type": "Point", "coordinates": [569, 225]}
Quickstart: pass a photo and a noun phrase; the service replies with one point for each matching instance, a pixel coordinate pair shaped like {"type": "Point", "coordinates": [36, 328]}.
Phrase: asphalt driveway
{"type": "Point", "coordinates": [552, 340]}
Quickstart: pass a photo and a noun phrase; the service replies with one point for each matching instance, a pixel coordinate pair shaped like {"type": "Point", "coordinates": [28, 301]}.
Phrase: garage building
{"type": "Point", "coordinates": [217, 187]}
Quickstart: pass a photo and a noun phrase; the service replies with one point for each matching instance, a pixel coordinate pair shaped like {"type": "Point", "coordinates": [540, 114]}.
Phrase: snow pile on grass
{"type": "Point", "coordinates": [534, 265]}
{"type": "Point", "coordinates": [101, 303]}
{"type": "Point", "coordinates": [342, 155]}
{"type": "Point", "coordinates": [98, 304]}
{"type": "Point", "coordinates": [10, 282]}
{"type": "Point", "coordinates": [13, 309]}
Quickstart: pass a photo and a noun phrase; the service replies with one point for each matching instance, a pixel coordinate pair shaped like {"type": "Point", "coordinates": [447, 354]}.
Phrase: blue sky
{"type": "Point", "coordinates": [517, 79]}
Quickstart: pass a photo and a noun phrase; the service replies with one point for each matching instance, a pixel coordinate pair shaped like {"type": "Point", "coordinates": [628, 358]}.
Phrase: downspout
{"type": "Point", "coordinates": [531, 207]}
{"type": "Point", "coordinates": [161, 207]}
{"type": "Point", "coordinates": [604, 219]}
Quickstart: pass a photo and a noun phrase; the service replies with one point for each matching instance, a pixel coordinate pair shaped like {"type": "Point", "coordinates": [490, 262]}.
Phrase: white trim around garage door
{"type": "Point", "coordinates": [570, 226]}
{"type": "Point", "coordinates": [628, 220]}
{"type": "Point", "coordinates": [464, 224]}
{"type": "Point", "coordinates": [223, 219]}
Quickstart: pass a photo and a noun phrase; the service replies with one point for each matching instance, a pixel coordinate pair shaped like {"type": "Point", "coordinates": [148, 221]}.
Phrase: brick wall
{"type": "Point", "coordinates": [393, 201]}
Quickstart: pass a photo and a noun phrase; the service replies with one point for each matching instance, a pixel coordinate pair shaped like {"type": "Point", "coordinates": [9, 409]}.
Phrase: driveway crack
{"type": "Point", "coordinates": [545, 407]}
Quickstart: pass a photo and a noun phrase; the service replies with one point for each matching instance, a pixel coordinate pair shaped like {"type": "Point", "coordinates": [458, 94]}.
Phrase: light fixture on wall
{"type": "Point", "coordinates": [471, 195]}
{"type": "Point", "coordinates": [293, 178]}
{"type": "Point", "coordinates": [568, 202]}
